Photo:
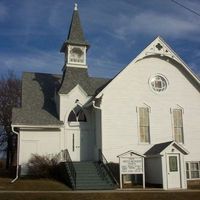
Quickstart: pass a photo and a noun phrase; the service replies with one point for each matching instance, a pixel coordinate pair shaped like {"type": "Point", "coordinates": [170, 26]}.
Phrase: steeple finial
{"type": "Point", "coordinates": [75, 6]}
{"type": "Point", "coordinates": [75, 35]}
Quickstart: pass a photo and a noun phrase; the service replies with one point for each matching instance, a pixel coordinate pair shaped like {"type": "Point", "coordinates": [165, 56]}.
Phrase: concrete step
{"type": "Point", "coordinates": [91, 175]}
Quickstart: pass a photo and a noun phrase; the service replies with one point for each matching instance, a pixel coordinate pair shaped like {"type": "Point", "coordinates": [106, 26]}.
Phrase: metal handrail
{"type": "Point", "coordinates": [66, 157]}
{"type": "Point", "coordinates": [105, 163]}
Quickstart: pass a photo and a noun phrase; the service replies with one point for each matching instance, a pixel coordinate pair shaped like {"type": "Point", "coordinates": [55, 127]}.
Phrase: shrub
{"type": "Point", "coordinates": [43, 166]}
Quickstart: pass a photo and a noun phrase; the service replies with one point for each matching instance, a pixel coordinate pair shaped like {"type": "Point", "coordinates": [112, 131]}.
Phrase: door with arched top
{"type": "Point", "coordinates": [78, 137]}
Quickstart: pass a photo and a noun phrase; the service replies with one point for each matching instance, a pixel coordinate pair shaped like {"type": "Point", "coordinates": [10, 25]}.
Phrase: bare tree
{"type": "Point", "coordinates": [3, 137]}
{"type": "Point", "coordinates": [10, 93]}
{"type": "Point", "coordinates": [3, 143]}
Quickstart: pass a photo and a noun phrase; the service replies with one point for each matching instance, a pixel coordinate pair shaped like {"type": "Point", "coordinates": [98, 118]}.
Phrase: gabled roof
{"type": "Point", "coordinates": [130, 152]}
{"type": "Point", "coordinates": [38, 95]}
{"type": "Point", "coordinates": [75, 35]}
{"type": "Point", "coordinates": [38, 105]}
{"type": "Point", "coordinates": [39, 117]}
{"type": "Point", "coordinates": [79, 76]}
{"type": "Point", "coordinates": [160, 48]}
{"type": "Point", "coordinates": [157, 149]}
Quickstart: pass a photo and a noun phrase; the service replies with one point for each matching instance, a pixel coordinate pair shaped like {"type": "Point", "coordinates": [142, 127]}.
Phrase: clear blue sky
{"type": "Point", "coordinates": [32, 32]}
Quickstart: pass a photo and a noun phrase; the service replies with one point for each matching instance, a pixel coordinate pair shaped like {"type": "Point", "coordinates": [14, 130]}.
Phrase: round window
{"type": "Point", "coordinates": [158, 83]}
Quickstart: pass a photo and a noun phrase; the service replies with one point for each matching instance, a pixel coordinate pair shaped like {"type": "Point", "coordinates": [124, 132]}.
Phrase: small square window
{"type": "Point", "coordinates": [193, 170]}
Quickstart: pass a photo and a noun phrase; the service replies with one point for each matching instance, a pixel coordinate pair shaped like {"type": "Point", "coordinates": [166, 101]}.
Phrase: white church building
{"type": "Point", "coordinates": [150, 109]}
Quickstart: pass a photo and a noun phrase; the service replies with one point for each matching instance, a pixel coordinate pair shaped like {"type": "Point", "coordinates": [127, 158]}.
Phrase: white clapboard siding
{"type": "Point", "coordinates": [131, 89]}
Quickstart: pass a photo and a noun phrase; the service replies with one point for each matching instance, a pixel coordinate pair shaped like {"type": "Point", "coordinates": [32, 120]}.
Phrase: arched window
{"type": "Point", "coordinates": [77, 115]}
{"type": "Point", "coordinates": [81, 116]}
{"type": "Point", "coordinates": [72, 117]}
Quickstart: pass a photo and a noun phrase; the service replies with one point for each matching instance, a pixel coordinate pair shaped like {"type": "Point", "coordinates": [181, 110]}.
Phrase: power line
{"type": "Point", "coordinates": [183, 6]}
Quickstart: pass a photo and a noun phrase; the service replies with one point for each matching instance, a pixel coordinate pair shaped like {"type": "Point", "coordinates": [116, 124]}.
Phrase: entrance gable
{"type": "Point", "coordinates": [68, 101]}
{"type": "Point", "coordinates": [77, 89]}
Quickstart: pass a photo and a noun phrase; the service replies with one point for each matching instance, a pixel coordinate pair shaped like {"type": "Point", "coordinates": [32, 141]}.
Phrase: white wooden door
{"type": "Point", "coordinates": [78, 143]}
{"type": "Point", "coordinates": [73, 144]}
{"type": "Point", "coordinates": [173, 171]}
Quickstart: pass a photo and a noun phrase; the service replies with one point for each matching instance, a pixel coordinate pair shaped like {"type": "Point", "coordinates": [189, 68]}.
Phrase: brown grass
{"type": "Point", "coordinates": [105, 196]}
{"type": "Point", "coordinates": [51, 185]}
{"type": "Point", "coordinates": [32, 185]}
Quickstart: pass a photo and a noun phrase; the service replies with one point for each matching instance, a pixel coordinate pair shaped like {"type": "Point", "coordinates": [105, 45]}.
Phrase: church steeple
{"type": "Point", "coordinates": [75, 35]}
{"type": "Point", "coordinates": [75, 46]}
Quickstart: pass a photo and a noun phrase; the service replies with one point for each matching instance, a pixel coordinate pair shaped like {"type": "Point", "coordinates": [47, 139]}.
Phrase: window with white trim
{"type": "Point", "coordinates": [193, 170]}
{"type": "Point", "coordinates": [144, 129]}
{"type": "Point", "coordinates": [178, 125]}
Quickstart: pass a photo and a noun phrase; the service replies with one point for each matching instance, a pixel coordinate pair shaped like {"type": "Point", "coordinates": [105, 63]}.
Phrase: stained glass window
{"type": "Point", "coordinates": [158, 83]}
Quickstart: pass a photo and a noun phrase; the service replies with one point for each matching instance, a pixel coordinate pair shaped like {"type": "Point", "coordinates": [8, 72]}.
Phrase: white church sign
{"type": "Point", "coordinates": [131, 163]}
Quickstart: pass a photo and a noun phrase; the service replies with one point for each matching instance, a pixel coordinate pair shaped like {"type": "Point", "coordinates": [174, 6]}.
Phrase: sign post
{"type": "Point", "coordinates": [131, 163]}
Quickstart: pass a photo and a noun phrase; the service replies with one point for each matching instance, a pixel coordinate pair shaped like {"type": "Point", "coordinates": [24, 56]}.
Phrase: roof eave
{"type": "Point", "coordinates": [67, 42]}
{"type": "Point", "coordinates": [37, 126]}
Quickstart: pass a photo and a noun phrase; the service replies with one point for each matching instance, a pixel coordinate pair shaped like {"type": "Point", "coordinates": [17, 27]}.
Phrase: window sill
{"type": "Point", "coordinates": [77, 124]}
{"type": "Point", "coordinates": [144, 143]}
{"type": "Point", "coordinates": [193, 179]}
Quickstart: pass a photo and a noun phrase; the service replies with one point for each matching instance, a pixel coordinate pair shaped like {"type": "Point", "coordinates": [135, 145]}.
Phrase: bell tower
{"type": "Point", "coordinates": [75, 46]}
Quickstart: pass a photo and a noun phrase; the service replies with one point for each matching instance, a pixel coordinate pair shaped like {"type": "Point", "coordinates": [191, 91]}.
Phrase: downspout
{"type": "Point", "coordinates": [17, 169]}
{"type": "Point", "coordinates": [98, 108]}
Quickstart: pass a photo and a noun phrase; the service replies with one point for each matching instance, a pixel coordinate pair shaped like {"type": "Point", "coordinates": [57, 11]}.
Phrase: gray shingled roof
{"type": "Point", "coordinates": [38, 106]}
{"type": "Point", "coordinates": [157, 148]}
{"type": "Point", "coordinates": [75, 35]}
{"type": "Point", "coordinates": [39, 117]}
{"type": "Point", "coordinates": [38, 90]}
{"type": "Point", "coordinates": [74, 76]}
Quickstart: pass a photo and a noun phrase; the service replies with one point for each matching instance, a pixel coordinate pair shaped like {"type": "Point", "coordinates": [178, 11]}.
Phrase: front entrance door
{"type": "Point", "coordinates": [74, 150]}
{"type": "Point", "coordinates": [173, 171]}
{"type": "Point", "coordinates": [79, 144]}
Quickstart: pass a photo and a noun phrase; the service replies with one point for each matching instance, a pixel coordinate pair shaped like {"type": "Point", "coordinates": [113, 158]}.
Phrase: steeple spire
{"type": "Point", "coordinates": [75, 35]}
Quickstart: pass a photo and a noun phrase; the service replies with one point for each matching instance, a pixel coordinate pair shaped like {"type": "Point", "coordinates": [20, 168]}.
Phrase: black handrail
{"type": "Point", "coordinates": [69, 163]}
{"type": "Point", "coordinates": [105, 163]}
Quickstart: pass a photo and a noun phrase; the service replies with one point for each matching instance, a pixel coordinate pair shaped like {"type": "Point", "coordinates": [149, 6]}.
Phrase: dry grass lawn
{"type": "Point", "coordinates": [42, 185]}
{"type": "Point", "coordinates": [32, 184]}
{"type": "Point", "coordinates": [105, 196]}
